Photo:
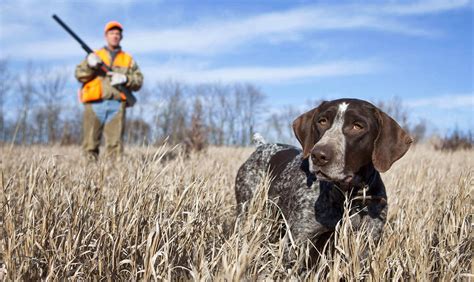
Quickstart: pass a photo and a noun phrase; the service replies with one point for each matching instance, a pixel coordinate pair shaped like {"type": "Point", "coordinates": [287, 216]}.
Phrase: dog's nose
{"type": "Point", "coordinates": [321, 156]}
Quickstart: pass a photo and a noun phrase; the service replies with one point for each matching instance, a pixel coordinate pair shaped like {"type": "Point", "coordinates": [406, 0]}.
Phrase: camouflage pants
{"type": "Point", "coordinates": [107, 118]}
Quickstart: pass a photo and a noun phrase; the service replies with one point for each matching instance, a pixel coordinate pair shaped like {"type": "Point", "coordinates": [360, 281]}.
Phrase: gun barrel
{"type": "Point", "coordinates": [82, 43]}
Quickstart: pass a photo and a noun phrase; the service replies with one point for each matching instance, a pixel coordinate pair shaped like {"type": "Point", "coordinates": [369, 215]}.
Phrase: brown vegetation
{"type": "Point", "coordinates": [455, 141]}
{"type": "Point", "coordinates": [147, 218]}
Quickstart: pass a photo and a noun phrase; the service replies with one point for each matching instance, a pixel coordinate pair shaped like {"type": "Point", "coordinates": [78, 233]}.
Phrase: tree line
{"type": "Point", "coordinates": [39, 107]}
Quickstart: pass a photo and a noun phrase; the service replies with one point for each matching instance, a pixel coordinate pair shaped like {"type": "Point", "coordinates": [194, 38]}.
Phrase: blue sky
{"type": "Point", "coordinates": [295, 51]}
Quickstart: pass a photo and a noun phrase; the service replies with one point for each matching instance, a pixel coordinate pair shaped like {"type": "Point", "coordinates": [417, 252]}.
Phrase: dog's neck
{"type": "Point", "coordinates": [370, 190]}
{"type": "Point", "coordinates": [367, 178]}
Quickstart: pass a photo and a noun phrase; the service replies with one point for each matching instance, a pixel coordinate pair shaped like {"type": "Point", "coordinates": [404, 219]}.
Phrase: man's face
{"type": "Point", "coordinates": [113, 37]}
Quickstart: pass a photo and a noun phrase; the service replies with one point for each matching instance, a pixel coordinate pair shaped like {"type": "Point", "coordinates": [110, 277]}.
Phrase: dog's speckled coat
{"type": "Point", "coordinates": [345, 143]}
{"type": "Point", "coordinates": [311, 207]}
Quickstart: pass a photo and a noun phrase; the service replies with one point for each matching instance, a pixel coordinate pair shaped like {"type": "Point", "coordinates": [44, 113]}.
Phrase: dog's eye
{"type": "Point", "coordinates": [357, 126]}
{"type": "Point", "coordinates": [323, 121]}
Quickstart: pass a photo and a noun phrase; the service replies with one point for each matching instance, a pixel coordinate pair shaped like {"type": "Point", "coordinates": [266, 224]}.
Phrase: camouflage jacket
{"type": "Point", "coordinates": [85, 74]}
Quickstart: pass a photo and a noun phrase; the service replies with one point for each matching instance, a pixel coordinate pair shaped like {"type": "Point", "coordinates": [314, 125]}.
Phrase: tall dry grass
{"type": "Point", "coordinates": [151, 217]}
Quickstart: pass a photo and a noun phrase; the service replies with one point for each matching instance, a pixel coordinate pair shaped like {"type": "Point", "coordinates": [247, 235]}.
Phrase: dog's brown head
{"type": "Point", "coordinates": [345, 135]}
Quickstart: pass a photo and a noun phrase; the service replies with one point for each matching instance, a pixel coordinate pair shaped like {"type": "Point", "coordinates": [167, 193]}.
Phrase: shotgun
{"type": "Point", "coordinates": [130, 99]}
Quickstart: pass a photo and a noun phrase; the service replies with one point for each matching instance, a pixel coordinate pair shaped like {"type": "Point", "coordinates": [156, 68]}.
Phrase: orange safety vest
{"type": "Point", "coordinates": [92, 90]}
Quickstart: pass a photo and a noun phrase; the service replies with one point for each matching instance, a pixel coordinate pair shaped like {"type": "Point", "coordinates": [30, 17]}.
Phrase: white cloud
{"type": "Point", "coordinates": [260, 74]}
{"type": "Point", "coordinates": [219, 35]}
{"type": "Point", "coordinates": [444, 102]}
{"type": "Point", "coordinates": [445, 112]}
{"type": "Point", "coordinates": [425, 7]}
{"type": "Point", "coordinates": [223, 35]}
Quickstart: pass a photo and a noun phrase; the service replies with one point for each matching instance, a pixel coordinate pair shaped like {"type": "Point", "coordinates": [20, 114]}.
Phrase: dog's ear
{"type": "Point", "coordinates": [391, 144]}
{"type": "Point", "coordinates": [305, 132]}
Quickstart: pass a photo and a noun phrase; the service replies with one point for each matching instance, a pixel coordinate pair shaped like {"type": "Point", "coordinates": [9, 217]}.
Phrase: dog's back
{"type": "Point", "coordinates": [252, 171]}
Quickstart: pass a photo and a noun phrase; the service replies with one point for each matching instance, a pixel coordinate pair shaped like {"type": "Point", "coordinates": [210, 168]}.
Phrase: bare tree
{"type": "Point", "coordinates": [418, 131]}
{"type": "Point", "coordinates": [137, 129]}
{"type": "Point", "coordinates": [250, 100]}
{"type": "Point", "coordinates": [72, 126]}
{"type": "Point", "coordinates": [197, 134]}
{"type": "Point", "coordinates": [38, 126]}
{"type": "Point", "coordinates": [170, 117]}
{"type": "Point", "coordinates": [5, 86]}
{"type": "Point", "coordinates": [51, 85]}
{"type": "Point", "coordinates": [394, 108]}
{"type": "Point", "coordinates": [279, 125]}
{"type": "Point", "coordinates": [217, 114]}
{"type": "Point", "coordinates": [26, 90]}
{"type": "Point", "coordinates": [457, 140]}
{"type": "Point", "coordinates": [225, 114]}
{"type": "Point", "coordinates": [231, 112]}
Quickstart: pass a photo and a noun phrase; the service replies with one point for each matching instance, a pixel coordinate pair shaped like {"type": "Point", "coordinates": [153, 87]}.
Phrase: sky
{"type": "Point", "coordinates": [294, 51]}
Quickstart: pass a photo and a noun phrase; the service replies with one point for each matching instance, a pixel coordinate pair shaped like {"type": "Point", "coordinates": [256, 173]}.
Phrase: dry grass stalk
{"type": "Point", "coordinates": [147, 218]}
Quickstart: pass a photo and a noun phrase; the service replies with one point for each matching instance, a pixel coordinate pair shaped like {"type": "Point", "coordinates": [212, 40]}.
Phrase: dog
{"type": "Point", "coordinates": [346, 143]}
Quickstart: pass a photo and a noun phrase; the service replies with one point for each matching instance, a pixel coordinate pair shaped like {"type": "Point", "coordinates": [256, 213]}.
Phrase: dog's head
{"type": "Point", "coordinates": [342, 136]}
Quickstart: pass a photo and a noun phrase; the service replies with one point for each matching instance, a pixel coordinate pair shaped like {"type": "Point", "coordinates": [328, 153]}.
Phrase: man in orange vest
{"type": "Point", "coordinates": [104, 104]}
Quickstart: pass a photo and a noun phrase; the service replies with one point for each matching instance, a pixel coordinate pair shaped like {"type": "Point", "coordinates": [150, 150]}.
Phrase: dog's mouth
{"type": "Point", "coordinates": [322, 176]}
{"type": "Point", "coordinates": [344, 180]}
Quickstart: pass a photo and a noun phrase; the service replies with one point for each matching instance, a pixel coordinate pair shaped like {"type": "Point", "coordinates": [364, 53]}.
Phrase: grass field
{"type": "Point", "coordinates": [150, 217]}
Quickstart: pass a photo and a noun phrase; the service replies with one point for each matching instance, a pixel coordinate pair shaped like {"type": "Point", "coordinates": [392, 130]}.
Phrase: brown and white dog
{"type": "Point", "coordinates": [345, 144]}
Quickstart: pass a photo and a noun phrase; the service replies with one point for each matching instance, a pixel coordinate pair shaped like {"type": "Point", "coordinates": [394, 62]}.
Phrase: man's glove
{"type": "Point", "coordinates": [117, 78]}
{"type": "Point", "coordinates": [93, 60]}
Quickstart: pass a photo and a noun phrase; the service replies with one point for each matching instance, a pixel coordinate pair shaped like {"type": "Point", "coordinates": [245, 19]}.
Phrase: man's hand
{"type": "Point", "coordinates": [117, 78]}
{"type": "Point", "coordinates": [93, 60]}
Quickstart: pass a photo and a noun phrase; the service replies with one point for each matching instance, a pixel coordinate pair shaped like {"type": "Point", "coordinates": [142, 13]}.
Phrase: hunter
{"type": "Point", "coordinates": [104, 103]}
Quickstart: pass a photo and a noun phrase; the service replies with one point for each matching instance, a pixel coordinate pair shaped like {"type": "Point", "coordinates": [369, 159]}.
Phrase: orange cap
{"type": "Point", "coordinates": [112, 24]}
